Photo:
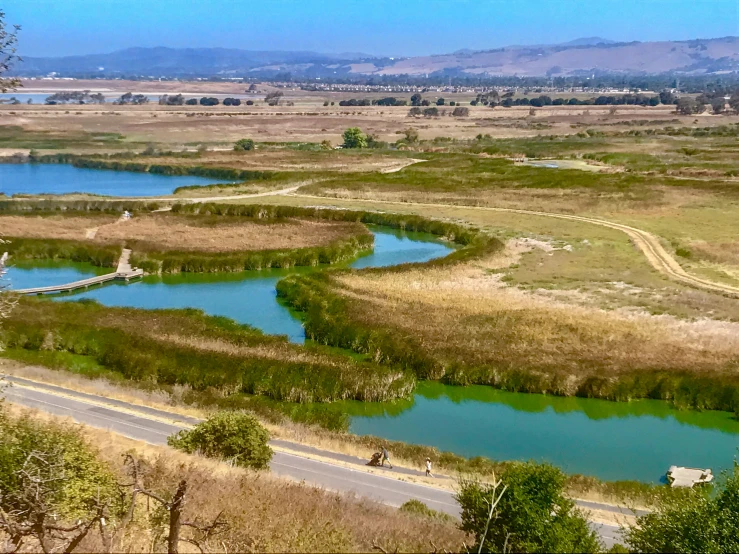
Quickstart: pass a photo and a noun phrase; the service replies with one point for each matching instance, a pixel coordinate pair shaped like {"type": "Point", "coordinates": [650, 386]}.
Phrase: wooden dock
{"type": "Point", "coordinates": [688, 476]}
{"type": "Point", "coordinates": [124, 272]}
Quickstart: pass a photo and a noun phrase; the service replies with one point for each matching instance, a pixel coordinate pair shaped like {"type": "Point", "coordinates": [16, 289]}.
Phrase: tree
{"type": "Point", "coordinates": [691, 521]}
{"type": "Point", "coordinates": [273, 98]}
{"type": "Point", "coordinates": [53, 490]}
{"type": "Point", "coordinates": [431, 112]}
{"type": "Point", "coordinates": [244, 144]}
{"type": "Point", "coordinates": [416, 100]}
{"type": "Point", "coordinates": [231, 102]}
{"type": "Point", "coordinates": [666, 97]}
{"type": "Point", "coordinates": [414, 112]}
{"type": "Point", "coordinates": [131, 98]}
{"type": "Point", "coordinates": [411, 135]}
{"type": "Point", "coordinates": [191, 101]}
{"type": "Point", "coordinates": [734, 101]}
{"type": "Point", "coordinates": [176, 100]}
{"type": "Point", "coordinates": [460, 111]}
{"type": "Point", "coordinates": [718, 105]}
{"type": "Point", "coordinates": [354, 138]}
{"type": "Point", "coordinates": [235, 436]}
{"type": "Point", "coordinates": [687, 106]}
{"type": "Point", "coordinates": [209, 101]}
{"type": "Point", "coordinates": [173, 507]}
{"type": "Point", "coordinates": [532, 515]}
{"type": "Point", "coordinates": [8, 40]}
{"type": "Point", "coordinates": [440, 102]}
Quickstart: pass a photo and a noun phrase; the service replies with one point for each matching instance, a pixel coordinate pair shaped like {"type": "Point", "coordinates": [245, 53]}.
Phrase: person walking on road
{"type": "Point", "coordinates": [428, 467]}
{"type": "Point", "coordinates": [385, 457]}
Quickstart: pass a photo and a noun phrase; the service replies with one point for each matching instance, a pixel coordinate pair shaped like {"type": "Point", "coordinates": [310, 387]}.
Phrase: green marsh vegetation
{"type": "Point", "coordinates": [185, 347]}
{"type": "Point", "coordinates": [152, 260]}
{"type": "Point", "coordinates": [61, 249]}
{"type": "Point", "coordinates": [146, 166]}
{"type": "Point", "coordinates": [514, 343]}
{"type": "Point", "coordinates": [12, 136]}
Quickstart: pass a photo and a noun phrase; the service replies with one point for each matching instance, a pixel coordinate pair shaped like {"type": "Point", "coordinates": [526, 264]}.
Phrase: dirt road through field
{"type": "Point", "coordinates": [657, 256]}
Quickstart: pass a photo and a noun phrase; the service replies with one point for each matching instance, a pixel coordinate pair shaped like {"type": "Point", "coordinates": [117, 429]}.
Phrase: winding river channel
{"type": "Point", "coordinates": [609, 440]}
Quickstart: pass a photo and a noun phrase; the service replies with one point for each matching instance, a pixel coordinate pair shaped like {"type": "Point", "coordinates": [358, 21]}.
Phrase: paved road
{"type": "Point", "coordinates": [154, 426]}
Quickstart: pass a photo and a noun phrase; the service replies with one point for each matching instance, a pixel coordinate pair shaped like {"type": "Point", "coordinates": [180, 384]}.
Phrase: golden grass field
{"type": "Point", "coordinates": [466, 315]}
{"type": "Point", "coordinates": [183, 233]}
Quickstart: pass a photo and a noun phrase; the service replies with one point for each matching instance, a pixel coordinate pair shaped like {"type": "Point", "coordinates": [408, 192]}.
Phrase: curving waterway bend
{"type": "Point", "coordinates": [637, 440]}
{"type": "Point", "coordinates": [609, 440]}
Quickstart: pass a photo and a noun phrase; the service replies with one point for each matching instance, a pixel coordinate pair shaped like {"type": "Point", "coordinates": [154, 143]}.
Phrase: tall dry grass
{"type": "Point", "coordinates": [264, 513]}
{"type": "Point", "coordinates": [462, 324]}
{"type": "Point", "coordinates": [181, 233]}
{"type": "Point", "coordinates": [465, 315]}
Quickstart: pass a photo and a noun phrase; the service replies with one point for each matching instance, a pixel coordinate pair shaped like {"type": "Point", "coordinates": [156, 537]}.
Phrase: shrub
{"type": "Point", "coordinates": [244, 144]}
{"type": "Point", "coordinates": [355, 138]}
{"type": "Point", "coordinates": [84, 477]}
{"type": "Point", "coordinates": [461, 112]}
{"type": "Point", "coordinates": [692, 521]}
{"type": "Point", "coordinates": [235, 436]}
{"type": "Point", "coordinates": [533, 514]}
{"type": "Point", "coordinates": [419, 509]}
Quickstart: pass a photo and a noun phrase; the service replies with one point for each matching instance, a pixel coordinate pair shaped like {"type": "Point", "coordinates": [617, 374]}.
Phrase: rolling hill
{"type": "Point", "coordinates": [583, 56]}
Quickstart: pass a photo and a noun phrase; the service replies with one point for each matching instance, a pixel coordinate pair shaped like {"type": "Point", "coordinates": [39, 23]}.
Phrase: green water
{"type": "Point", "coordinates": [247, 297]}
{"type": "Point", "coordinates": [637, 440]}
{"type": "Point", "coordinates": [610, 440]}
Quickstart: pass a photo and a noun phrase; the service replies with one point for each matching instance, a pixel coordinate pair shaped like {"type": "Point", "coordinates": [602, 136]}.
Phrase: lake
{"type": "Point", "coordinates": [67, 179]}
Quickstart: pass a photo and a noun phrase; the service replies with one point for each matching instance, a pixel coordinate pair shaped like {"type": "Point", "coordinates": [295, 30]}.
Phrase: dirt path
{"type": "Point", "coordinates": [405, 164]}
{"type": "Point", "coordinates": [659, 258]}
{"type": "Point", "coordinates": [197, 200]}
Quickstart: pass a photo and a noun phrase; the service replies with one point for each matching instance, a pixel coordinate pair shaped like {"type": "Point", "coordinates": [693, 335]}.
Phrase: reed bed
{"type": "Point", "coordinates": [52, 225]}
{"type": "Point", "coordinates": [175, 347]}
{"type": "Point", "coordinates": [456, 233]}
{"type": "Point", "coordinates": [463, 326]}
{"type": "Point", "coordinates": [61, 249]}
{"type": "Point", "coordinates": [164, 243]}
{"type": "Point", "coordinates": [196, 262]}
{"type": "Point", "coordinates": [163, 231]}
{"type": "Point", "coordinates": [145, 165]}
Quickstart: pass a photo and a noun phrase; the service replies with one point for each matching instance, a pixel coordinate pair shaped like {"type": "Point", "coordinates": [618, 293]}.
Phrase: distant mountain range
{"type": "Point", "coordinates": [582, 56]}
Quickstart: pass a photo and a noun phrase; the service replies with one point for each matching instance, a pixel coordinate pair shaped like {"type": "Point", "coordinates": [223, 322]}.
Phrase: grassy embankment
{"type": "Point", "coordinates": [169, 243]}
{"type": "Point", "coordinates": [464, 326]}
{"type": "Point", "coordinates": [187, 348]}
{"type": "Point", "coordinates": [264, 513]}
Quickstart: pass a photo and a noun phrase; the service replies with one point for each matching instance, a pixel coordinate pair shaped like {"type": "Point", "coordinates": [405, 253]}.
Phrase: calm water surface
{"type": "Point", "coordinates": [66, 179]}
{"type": "Point", "coordinates": [45, 273]}
{"type": "Point", "coordinates": [610, 440]}
{"type": "Point", "coordinates": [247, 297]}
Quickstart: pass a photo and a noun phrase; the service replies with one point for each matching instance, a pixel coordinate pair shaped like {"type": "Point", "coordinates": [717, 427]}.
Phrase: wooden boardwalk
{"type": "Point", "coordinates": [124, 272]}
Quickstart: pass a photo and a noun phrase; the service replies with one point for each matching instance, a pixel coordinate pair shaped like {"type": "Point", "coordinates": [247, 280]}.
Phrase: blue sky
{"type": "Point", "coordinates": [410, 27]}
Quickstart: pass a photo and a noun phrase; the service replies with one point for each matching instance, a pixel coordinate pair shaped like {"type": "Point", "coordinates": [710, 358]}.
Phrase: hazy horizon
{"type": "Point", "coordinates": [385, 28]}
